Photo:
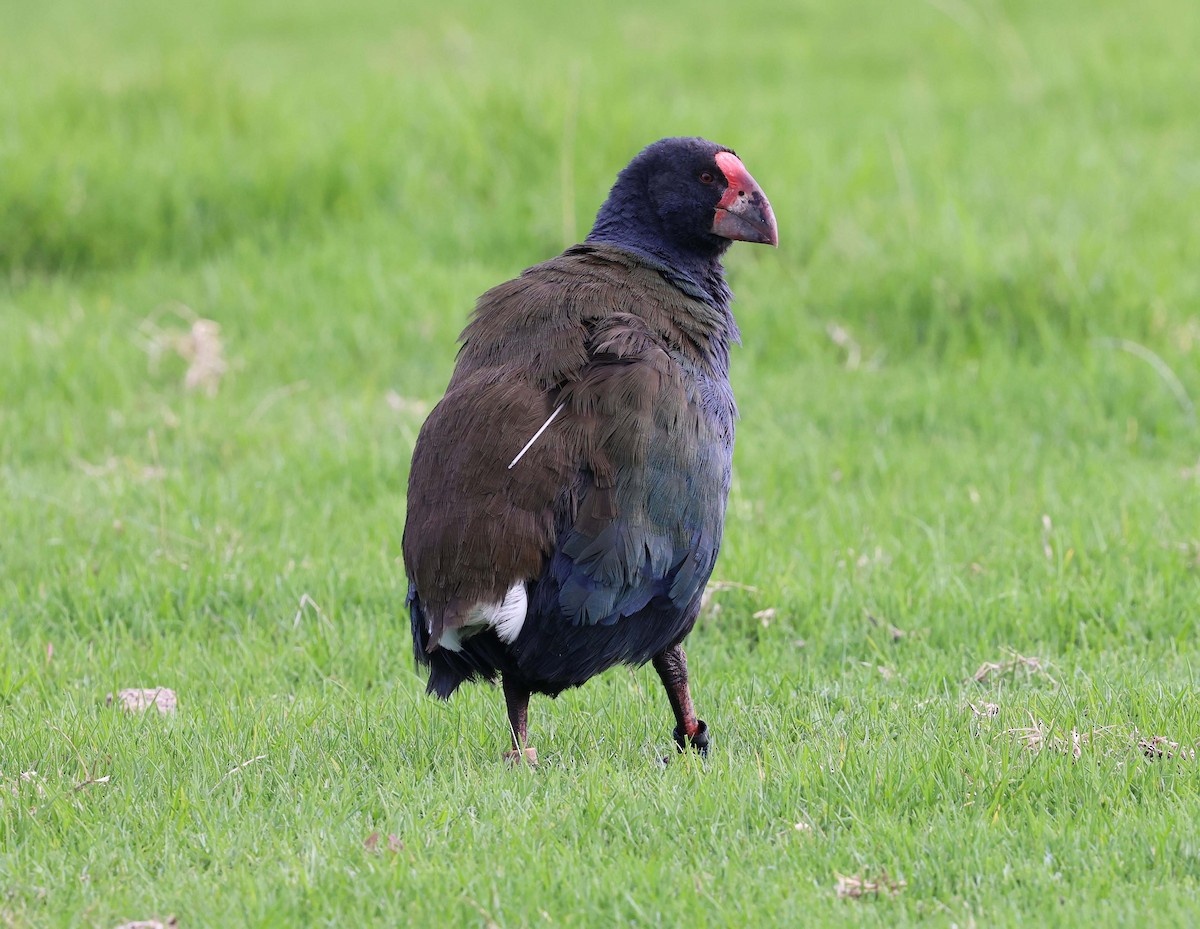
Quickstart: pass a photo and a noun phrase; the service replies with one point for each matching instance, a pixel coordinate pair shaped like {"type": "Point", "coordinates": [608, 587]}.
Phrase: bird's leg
{"type": "Point", "coordinates": [516, 696]}
{"type": "Point", "coordinates": [671, 666]}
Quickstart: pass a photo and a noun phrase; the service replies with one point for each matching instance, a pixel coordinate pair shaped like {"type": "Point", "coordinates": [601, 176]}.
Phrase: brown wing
{"type": "Point", "coordinates": [475, 526]}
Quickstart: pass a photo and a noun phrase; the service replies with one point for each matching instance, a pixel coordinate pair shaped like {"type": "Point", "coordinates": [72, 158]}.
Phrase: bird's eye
{"type": "Point", "coordinates": [706, 178]}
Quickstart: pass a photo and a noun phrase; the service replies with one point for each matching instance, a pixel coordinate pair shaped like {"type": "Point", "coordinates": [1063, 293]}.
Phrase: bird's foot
{"type": "Point", "coordinates": [516, 758]}
{"type": "Point", "coordinates": [698, 741]}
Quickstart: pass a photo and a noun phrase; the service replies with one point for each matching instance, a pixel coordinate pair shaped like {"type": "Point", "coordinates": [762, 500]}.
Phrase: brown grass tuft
{"type": "Point", "coordinates": [1016, 664]}
{"type": "Point", "coordinates": [855, 886]}
{"type": "Point", "coordinates": [766, 616]}
{"type": "Point", "coordinates": [393, 844]}
{"type": "Point", "coordinates": [1040, 736]}
{"type": "Point", "coordinates": [199, 345]}
{"type": "Point", "coordinates": [1159, 747]}
{"type": "Point", "coordinates": [138, 700]}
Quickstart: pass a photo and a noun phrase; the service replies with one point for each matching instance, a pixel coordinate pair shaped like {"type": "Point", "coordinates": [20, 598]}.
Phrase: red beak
{"type": "Point", "coordinates": [744, 213]}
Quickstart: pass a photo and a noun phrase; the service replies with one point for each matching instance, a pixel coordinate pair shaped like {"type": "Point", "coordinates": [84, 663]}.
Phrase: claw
{"type": "Point", "coordinates": [528, 756]}
{"type": "Point", "coordinates": [699, 741]}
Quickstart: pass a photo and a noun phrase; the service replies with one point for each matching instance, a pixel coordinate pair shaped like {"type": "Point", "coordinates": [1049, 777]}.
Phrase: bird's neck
{"type": "Point", "coordinates": [696, 269]}
{"type": "Point", "coordinates": [697, 274]}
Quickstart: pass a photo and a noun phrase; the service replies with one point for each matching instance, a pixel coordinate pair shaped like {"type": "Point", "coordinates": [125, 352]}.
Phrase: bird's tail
{"type": "Point", "coordinates": [449, 669]}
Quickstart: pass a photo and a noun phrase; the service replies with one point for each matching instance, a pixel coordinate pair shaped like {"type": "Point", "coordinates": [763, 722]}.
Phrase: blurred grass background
{"type": "Point", "coordinates": [967, 389]}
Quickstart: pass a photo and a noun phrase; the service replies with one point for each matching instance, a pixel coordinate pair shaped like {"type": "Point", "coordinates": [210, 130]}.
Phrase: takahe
{"type": "Point", "coordinates": [567, 495]}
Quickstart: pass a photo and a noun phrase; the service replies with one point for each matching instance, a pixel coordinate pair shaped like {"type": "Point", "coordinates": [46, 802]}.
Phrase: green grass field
{"type": "Point", "coordinates": [968, 435]}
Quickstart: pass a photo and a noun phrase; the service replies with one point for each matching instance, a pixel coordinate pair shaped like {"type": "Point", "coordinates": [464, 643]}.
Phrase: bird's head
{"type": "Point", "coordinates": [687, 197]}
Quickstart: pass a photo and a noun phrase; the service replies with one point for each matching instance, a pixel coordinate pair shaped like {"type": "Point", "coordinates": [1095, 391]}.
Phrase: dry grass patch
{"type": "Point", "coordinates": [855, 886]}
{"type": "Point", "coordinates": [1040, 736]}
{"type": "Point", "coordinates": [373, 844]}
{"type": "Point", "coordinates": [1159, 747]}
{"type": "Point", "coordinates": [199, 345]}
{"type": "Point", "coordinates": [169, 923]}
{"type": "Point", "coordinates": [1016, 664]}
{"type": "Point", "coordinates": [140, 699]}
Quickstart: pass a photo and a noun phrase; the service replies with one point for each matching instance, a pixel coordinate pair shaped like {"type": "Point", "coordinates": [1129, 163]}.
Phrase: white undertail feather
{"type": "Point", "coordinates": [451, 641]}
{"type": "Point", "coordinates": [545, 426]}
{"type": "Point", "coordinates": [507, 617]}
{"type": "Point", "coordinates": [510, 617]}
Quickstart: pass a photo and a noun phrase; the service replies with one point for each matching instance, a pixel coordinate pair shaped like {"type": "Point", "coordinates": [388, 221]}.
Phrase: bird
{"type": "Point", "coordinates": [567, 495]}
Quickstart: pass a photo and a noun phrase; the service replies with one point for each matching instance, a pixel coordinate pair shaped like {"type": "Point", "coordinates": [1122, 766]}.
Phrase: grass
{"type": "Point", "coordinates": [942, 432]}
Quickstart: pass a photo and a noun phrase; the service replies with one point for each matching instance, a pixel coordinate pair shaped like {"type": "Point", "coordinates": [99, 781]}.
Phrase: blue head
{"type": "Point", "coordinates": [682, 201]}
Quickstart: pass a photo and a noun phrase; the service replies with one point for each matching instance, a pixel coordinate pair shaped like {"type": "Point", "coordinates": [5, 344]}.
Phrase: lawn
{"type": "Point", "coordinates": [951, 672]}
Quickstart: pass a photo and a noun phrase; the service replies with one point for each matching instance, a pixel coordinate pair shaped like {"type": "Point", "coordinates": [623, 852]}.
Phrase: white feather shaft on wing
{"type": "Point", "coordinates": [545, 426]}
